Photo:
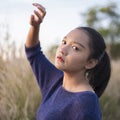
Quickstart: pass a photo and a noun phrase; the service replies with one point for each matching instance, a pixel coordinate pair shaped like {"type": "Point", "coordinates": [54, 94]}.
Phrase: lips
{"type": "Point", "coordinates": [59, 58]}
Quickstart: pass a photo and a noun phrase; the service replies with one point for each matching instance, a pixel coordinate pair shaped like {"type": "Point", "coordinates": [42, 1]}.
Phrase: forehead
{"type": "Point", "coordinates": [78, 36]}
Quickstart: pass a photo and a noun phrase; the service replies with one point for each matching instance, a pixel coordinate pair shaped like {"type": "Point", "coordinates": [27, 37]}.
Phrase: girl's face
{"type": "Point", "coordinates": [73, 53]}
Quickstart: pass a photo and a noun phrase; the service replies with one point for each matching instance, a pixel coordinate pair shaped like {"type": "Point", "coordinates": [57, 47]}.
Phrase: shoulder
{"type": "Point", "coordinates": [87, 104]}
{"type": "Point", "coordinates": [87, 96]}
{"type": "Point", "coordinates": [83, 106]}
{"type": "Point", "coordinates": [87, 100]}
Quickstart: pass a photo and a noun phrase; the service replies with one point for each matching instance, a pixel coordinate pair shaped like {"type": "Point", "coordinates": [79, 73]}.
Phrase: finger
{"type": "Point", "coordinates": [38, 15]}
{"type": "Point", "coordinates": [40, 7]}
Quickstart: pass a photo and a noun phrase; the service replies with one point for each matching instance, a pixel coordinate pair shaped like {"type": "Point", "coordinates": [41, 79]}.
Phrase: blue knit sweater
{"type": "Point", "coordinates": [58, 103]}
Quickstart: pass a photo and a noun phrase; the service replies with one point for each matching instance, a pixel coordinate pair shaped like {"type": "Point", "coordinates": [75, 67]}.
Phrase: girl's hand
{"type": "Point", "coordinates": [37, 18]}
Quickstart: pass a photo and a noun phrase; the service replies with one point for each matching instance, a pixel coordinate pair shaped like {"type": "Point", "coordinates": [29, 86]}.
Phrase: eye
{"type": "Point", "coordinates": [63, 42]}
{"type": "Point", "coordinates": [75, 48]}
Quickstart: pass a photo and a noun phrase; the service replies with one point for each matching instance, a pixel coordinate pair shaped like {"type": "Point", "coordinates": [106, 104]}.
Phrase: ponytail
{"type": "Point", "coordinates": [99, 75]}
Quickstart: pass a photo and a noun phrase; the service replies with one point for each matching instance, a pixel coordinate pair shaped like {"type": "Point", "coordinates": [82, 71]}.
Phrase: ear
{"type": "Point", "coordinates": [91, 63]}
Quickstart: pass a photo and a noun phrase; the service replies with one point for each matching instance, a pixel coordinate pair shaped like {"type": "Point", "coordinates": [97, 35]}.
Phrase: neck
{"type": "Point", "coordinates": [76, 82]}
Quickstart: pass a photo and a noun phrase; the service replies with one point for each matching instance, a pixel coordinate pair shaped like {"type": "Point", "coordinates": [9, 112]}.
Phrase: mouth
{"type": "Point", "coordinates": [59, 58]}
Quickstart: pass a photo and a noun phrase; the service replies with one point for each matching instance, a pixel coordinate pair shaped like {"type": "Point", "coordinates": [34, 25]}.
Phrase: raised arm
{"type": "Point", "coordinates": [35, 22]}
{"type": "Point", "coordinates": [45, 72]}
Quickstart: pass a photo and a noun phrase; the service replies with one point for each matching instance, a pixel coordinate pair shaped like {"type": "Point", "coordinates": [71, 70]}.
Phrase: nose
{"type": "Point", "coordinates": [64, 50]}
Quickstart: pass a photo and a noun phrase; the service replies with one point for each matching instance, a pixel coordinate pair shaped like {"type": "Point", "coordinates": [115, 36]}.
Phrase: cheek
{"type": "Point", "coordinates": [76, 64]}
{"type": "Point", "coordinates": [79, 61]}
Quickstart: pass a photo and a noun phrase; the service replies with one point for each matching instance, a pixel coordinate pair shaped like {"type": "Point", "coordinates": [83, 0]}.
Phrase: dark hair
{"type": "Point", "coordinates": [99, 75]}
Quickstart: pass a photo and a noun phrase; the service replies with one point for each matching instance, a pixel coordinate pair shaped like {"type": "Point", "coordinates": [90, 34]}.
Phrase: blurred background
{"type": "Point", "coordinates": [19, 92]}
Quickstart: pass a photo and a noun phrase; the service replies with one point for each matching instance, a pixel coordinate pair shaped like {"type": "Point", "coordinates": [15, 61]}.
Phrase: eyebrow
{"type": "Point", "coordinates": [76, 43]}
{"type": "Point", "coordinates": [79, 44]}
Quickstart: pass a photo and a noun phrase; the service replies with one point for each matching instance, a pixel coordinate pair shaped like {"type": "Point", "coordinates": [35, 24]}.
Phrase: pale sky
{"type": "Point", "coordinates": [62, 16]}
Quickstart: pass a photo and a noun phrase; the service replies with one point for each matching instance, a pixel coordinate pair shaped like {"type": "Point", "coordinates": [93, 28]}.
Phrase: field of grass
{"type": "Point", "coordinates": [110, 101]}
{"type": "Point", "coordinates": [20, 95]}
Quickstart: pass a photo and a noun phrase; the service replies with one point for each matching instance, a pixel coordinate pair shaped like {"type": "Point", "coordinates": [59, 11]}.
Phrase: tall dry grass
{"type": "Point", "coordinates": [110, 101]}
{"type": "Point", "coordinates": [114, 84]}
{"type": "Point", "coordinates": [19, 93]}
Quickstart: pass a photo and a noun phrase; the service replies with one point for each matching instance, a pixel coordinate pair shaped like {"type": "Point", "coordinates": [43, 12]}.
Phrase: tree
{"type": "Point", "coordinates": [106, 20]}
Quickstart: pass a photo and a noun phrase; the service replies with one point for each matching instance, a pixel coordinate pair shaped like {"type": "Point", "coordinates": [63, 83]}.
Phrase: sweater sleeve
{"type": "Point", "coordinates": [45, 72]}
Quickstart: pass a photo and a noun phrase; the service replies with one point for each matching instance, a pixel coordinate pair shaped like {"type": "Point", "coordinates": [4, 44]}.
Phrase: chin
{"type": "Point", "coordinates": [59, 67]}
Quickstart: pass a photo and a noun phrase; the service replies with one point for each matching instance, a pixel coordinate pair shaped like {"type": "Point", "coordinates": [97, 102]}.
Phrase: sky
{"type": "Point", "coordinates": [62, 16]}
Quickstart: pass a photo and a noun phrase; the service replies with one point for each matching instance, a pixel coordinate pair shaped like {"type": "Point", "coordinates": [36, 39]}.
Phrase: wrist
{"type": "Point", "coordinates": [35, 27]}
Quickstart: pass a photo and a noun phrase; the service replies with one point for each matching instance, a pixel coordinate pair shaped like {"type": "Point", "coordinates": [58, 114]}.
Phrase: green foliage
{"type": "Point", "coordinates": [91, 17]}
{"type": "Point", "coordinates": [115, 50]}
{"type": "Point", "coordinates": [104, 32]}
{"type": "Point", "coordinates": [110, 10]}
{"type": "Point", "coordinates": [105, 19]}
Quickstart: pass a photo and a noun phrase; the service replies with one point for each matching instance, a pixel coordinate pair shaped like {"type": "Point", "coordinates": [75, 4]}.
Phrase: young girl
{"type": "Point", "coordinates": [71, 88]}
